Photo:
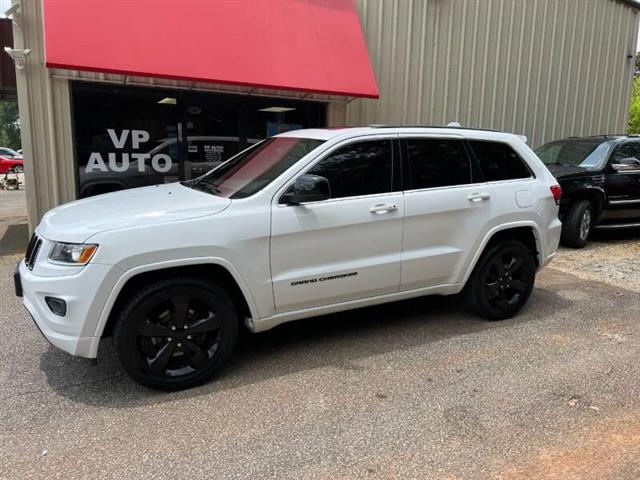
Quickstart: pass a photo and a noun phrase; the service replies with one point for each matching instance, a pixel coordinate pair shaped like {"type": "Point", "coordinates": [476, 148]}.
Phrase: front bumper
{"type": "Point", "coordinates": [75, 332]}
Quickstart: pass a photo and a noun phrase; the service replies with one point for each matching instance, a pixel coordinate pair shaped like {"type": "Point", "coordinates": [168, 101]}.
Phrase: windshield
{"type": "Point", "coordinates": [588, 153]}
{"type": "Point", "coordinates": [254, 168]}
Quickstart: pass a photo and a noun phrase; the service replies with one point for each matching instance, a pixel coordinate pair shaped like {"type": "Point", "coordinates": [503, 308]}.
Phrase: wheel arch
{"type": "Point", "coordinates": [596, 196]}
{"type": "Point", "coordinates": [217, 270]}
{"type": "Point", "coordinates": [526, 232]}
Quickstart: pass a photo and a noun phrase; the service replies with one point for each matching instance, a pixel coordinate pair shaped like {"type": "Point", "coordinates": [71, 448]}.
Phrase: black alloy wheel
{"type": "Point", "coordinates": [502, 281]}
{"type": "Point", "coordinates": [176, 333]}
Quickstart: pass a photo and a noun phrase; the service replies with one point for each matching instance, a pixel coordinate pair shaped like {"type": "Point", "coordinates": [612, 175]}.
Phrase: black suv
{"type": "Point", "coordinates": [600, 180]}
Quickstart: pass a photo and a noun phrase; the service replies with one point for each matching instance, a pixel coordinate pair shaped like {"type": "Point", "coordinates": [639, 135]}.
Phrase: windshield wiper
{"type": "Point", "coordinates": [202, 186]}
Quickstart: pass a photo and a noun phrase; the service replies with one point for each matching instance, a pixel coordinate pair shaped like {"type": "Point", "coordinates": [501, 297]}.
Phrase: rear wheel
{"type": "Point", "coordinates": [18, 169]}
{"type": "Point", "coordinates": [502, 281]}
{"type": "Point", "coordinates": [176, 333]}
{"type": "Point", "coordinates": [577, 224]}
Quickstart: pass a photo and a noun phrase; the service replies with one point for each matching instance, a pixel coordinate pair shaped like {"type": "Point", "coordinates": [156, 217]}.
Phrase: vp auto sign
{"type": "Point", "coordinates": [124, 161]}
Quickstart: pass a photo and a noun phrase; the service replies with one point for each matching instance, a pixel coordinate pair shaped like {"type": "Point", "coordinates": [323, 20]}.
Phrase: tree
{"type": "Point", "coordinates": [634, 107]}
{"type": "Point", "coordinates": [9, 125]}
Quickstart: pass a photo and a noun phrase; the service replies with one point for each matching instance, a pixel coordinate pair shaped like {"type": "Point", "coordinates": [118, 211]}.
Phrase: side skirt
{"type": "Point", "coordinates": [267, 323]}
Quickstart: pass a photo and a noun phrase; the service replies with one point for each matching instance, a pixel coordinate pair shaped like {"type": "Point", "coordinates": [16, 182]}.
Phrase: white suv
{"type": "Point", "coordinates": [302, 224]}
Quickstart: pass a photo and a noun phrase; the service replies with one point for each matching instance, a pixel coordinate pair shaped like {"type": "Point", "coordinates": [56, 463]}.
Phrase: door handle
{"type": "Point", "coordinates": [478, 197]}
{"type": "Point", "coordinates": [383, 208]}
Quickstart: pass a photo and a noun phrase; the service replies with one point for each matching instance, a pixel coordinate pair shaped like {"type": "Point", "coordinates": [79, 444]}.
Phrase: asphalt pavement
{"type": "Point", "coordinates": [415, 389]}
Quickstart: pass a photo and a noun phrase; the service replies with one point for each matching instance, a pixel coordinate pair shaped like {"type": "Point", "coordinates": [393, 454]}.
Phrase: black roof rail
{"type": "Point", "coordinates": [633, 135]}
{"type": "Point", "coordinates": [433, 126]}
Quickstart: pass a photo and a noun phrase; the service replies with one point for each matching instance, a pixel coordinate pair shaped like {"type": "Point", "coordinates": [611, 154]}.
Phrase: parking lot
{"type": "Point", "coordinates": [417, 389]}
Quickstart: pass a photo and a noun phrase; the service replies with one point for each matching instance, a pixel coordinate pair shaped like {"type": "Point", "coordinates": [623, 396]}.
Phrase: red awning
{"type": "Point", "coordinates": [303, 45]}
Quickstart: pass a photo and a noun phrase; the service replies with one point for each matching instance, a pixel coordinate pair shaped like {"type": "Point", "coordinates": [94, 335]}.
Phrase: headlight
{"type": "Point", "coordinates": [72, 253]}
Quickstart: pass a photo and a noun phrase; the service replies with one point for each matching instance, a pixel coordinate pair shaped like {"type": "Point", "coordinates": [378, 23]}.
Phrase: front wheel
{"type": "Point", "coordinates": [502, 281]}
{"type": "Point", "coordinates": [176, 333]}
{"type": "Point", "coordinates": [18, 169]}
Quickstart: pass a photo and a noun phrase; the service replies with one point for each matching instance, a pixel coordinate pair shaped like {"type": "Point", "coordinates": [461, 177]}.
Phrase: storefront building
{"type": "Point", "coordinates": [115, 95]}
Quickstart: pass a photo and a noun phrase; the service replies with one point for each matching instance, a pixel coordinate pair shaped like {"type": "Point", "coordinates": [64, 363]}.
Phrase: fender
{"type": "Point", "coordinates": [500, 228]}
{"type": "Point", "coordinates": [128, 274]}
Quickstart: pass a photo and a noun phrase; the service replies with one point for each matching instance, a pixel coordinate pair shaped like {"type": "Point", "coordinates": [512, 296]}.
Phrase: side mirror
{"type": "Point", "coordinates": [307, 188]}
{"type": "Point", "coordinates": [626, 164]}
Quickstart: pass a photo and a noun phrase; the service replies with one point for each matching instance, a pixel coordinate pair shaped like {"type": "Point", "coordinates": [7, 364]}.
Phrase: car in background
{"type": "Point", "coordinates": [11, 165]}
{"type": "Point", "coordinates": [600, 180]}
{"type": "Point", "coordinates": [10, 153]}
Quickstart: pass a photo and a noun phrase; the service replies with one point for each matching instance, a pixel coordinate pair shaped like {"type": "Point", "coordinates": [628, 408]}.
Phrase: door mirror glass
{"type": "Point", "coordinates": [626, 164]}
{"type": "Point", "coordinates": [307, 188]}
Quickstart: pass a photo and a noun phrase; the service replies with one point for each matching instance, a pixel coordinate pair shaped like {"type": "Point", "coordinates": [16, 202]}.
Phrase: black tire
{"type": "Point", "coordinates": [176, 333]}
{"type": "Point", "coordinates": [577, 224]}
{"type": "Point", "coordinates": [18, 169]}
{"type": "Point", "coordinates": [502, 280]}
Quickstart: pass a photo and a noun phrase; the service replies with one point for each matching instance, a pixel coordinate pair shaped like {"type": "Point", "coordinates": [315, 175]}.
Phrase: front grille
{"type": "Point", "coordinates": [32, 251]}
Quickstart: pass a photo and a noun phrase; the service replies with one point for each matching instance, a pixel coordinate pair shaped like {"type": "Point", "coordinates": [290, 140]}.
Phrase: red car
{"type": "Point", "coordinates": [14, 165]}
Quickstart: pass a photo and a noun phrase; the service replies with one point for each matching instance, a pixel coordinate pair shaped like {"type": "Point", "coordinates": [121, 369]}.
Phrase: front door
{"type": "Point", "coordinates": [349, 246]}
{"type": "Point", "coordinates": [623, 186]}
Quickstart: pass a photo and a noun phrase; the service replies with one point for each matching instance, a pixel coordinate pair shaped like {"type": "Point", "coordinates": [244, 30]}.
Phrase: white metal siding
{"type": "Point", "coordinates": [545, 68]}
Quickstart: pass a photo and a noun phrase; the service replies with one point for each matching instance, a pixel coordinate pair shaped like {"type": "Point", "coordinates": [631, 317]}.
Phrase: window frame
{"type": "Point", "coordinates": [407, 178]}
{"type": "Point", "coordinates": [396, 169]}
{"type": "Point", "coordinates": [616, 150]}
{"type": "Point", "coordinates": [532, 175]}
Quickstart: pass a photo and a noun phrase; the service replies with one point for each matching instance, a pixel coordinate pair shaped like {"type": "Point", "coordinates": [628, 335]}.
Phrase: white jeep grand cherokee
{"type": "Point", "coordinates": [302, 224]}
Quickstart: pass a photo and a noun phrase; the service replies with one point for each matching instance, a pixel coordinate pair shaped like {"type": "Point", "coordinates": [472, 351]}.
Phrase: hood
{"type": "Point", "coordinates": [77, 221]}
{"type": "Point", "coordinates": [560, 171]}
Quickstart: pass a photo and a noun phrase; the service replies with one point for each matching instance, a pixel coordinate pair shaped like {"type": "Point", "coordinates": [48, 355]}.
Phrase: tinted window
{"type": "Point", "coordinates": [438, 163]}
{"type": "Point", "coordinates": [628, 150]}
{"type": "Point", "coordinates": [359, 169]}
{"type": "Point", "coordinates": [498, 161]}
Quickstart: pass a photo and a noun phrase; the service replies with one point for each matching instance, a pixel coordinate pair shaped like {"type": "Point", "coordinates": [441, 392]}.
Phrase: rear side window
{"type": "Point", "coordinates": [498, 161]}
{"type": "Point", "coordinates": [363, 168]}
{"type": "Point", "coordinates": [438, 162]}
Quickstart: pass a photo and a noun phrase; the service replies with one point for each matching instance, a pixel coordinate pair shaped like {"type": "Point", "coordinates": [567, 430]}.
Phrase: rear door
{"type": "Point", "coordinates": [447, 207]}
{"type": "Point", "coordinates": [347, 247]}
{"type": "Point", "coordinates": [623, 186]}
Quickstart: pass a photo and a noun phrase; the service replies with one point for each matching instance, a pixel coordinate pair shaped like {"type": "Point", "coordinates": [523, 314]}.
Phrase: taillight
{"type": "Point", "coordinates": [556, 191]}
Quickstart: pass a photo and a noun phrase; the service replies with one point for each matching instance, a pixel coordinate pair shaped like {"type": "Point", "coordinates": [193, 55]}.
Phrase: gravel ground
{"type": "Point", "coordinates": [416, 389]}
{"type": "Point", "coordinates": [611, 257]}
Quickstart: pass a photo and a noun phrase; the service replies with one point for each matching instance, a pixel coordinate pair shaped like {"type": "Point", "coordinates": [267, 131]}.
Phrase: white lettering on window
{"type": "Point", "coordinates": [155, 163]}
{"type": "Point", "coordinates": [138, 137]}
{"type": "Point", "coordinates": [123, 166]}
{"type": "Point", "coordinates": [96, 164]}
{"type": "Point", "coordinates": [118, 142]}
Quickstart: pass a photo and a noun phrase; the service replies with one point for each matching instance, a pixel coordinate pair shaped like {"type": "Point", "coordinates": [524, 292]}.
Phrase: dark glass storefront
{"type": "Point", "coordinates": [128, 137]}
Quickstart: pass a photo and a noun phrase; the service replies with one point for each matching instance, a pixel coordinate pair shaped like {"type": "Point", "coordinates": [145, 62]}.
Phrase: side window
{"type": "Point", "coordinates": [438, 162]}
{"type": "Point", "coordinates": [628, 150]}
{"type": "Point", "coordinates": [363, 168]}
{"type": "Point", "coordinates": [498, 161]}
